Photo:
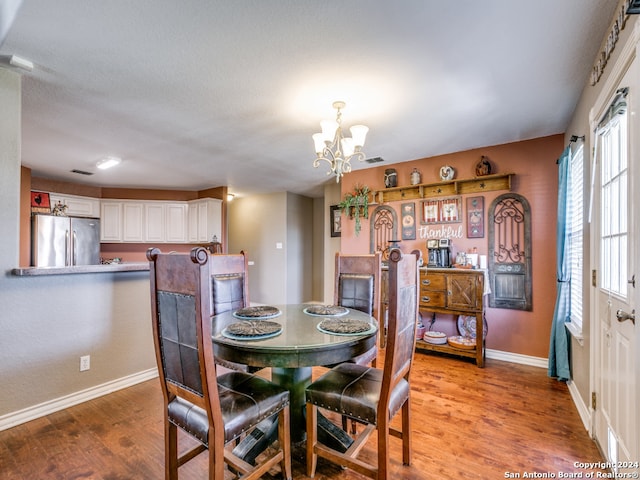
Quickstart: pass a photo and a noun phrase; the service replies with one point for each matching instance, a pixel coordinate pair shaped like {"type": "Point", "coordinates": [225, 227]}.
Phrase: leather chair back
{"type": "Point", "coordinates": [230, 291]}
{"type": "Point", "coordinates": [230, 282]}
{"type": "Point", "coordinates": [186, 362]}
{"type": "Point", "coordinates": [357, 282]}
{"type": "Point", "coordinates": [404, 290]}
{"type": "Point", "coordinates": [358, 286]}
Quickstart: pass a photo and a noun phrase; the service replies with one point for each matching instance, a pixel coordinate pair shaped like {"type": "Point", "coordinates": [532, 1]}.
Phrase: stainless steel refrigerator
{"type": "Point", "coordinates": [64, 241]}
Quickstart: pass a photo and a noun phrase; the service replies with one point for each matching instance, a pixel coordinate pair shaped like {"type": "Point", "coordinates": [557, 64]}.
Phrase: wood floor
{"type": "Point", "coordinates": [468, 423]}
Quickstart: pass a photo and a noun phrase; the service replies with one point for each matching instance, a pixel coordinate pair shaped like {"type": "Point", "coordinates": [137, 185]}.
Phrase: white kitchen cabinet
{"type": "Point", "coordinates": [176, 222]}
{"type": "Point", "coordinates": [165, 222]}
{"type": "Point", "coordinates": [160, 221]}
{"type": "Point", "coordinates": [110, 221]}
{"type": "Point", "coordinates": [77, 206]}
{"type": "Point", "coordinates": [154, 222]}
{"type": "Point", "coordinates": [205, 220]}
{"type": "Point", "coordinates": [132, 222]}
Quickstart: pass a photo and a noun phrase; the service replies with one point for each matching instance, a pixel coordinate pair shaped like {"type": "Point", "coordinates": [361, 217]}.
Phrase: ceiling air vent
{"type": "Point", "coordinates": [374, 160]}
{"type": "Point", "coordinates": [81, 172]}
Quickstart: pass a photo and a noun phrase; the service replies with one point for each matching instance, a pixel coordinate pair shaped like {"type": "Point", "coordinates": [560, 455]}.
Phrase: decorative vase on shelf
{"type": "Point", "coordinates": [446, 173]}
{"type": "Point", "coordinates": [416, 178]}
{"type": "Point", "coordinates": [390, 178]}
{"type": "Point", "coordinates": [483, 167]}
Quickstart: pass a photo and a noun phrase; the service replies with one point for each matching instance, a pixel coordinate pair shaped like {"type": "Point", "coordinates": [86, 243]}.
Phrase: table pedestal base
{"type": "Point", "coordinates": [296, 381]}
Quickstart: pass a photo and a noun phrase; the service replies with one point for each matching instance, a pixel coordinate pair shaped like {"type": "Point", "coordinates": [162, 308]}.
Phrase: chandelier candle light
{"type": "Point", "coordinates": [329, 143]}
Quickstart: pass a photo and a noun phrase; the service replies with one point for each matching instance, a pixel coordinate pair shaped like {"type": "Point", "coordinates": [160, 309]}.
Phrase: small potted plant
{"type": "Point", "coordinates": [356, 205]}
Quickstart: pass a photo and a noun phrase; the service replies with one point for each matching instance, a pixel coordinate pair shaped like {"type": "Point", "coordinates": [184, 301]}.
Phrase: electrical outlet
{"type": "Point", "coordinates": [85, 363]}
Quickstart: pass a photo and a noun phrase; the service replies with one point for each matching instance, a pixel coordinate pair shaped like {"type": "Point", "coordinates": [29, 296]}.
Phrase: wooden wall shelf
{"type": "Point", "coordinates": [488, 183]}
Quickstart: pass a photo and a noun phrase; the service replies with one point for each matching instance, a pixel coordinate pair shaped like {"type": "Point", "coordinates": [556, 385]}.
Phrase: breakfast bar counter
{"type": "Point", "coordinates": [106, 268]}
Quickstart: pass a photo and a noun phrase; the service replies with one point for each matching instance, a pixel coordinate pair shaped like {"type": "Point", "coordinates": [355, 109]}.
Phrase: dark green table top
{"type": "Point", "coordinates": [299, 344]}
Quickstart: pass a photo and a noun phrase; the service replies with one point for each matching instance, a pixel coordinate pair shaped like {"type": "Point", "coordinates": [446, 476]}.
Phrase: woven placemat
{"type": "Point", "coordinates": [253, 328]}
{"type": "Point", "coordinates": [344, 325]}
{"type": "Point", "coordinates": [259, 311]}
{"type": "Point", "coordinates": [326, 310]}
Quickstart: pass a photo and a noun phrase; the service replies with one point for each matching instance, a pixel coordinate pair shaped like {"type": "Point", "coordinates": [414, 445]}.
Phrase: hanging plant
{"type": "Point", "coordinates": [356, 205]}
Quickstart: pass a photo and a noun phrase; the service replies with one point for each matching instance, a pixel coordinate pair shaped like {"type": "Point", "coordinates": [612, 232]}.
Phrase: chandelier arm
{"type": "Point", "coordinates": [360, 155]}
{"type": "Point", "coordinates": [327, 155]}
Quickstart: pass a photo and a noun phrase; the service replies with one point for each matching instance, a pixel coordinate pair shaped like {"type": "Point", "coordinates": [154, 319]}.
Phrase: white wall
{"type": "Point", "coordinates": [332, 245]}
{"type": "Point", "coordinates": [47, 323]}
{"type": "Point", "coordinates": [259, 224]}
{"type": "Point", "coordinates": [579, 125]}
{"type": "Point", "coordinates": [299, 248]}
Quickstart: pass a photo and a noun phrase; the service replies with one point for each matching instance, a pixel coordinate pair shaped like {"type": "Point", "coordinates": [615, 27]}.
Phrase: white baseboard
{"type": "Point", "coordinates": [31, 413]}
{"type": "Point", "coordinates": [517, 358]}
{"type": "Point", "coordinates": [583, 410]}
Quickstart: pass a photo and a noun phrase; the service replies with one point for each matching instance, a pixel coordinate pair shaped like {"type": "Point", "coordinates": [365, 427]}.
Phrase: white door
{"type": "Point", "coordinates": [615, 232]}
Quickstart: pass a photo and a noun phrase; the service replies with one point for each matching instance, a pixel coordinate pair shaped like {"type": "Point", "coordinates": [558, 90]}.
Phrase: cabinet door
{"type": "Point", "coordinates": [193, 222]}
{"type": "Point", "coordinates": [205, 220]}
{"type": "Point", "coordinates": [77, 206]}
{"type": "Point", "coordinates": [464, 292]}
{"type": "Point", "coordinates": [176, 231]}
{"type": "Point", "coordinates": [213, 220]}
{"type": "Point", "coordinates": [111, 222]}
{"type": "Point", "coordinates": [132, 224]}
{"type": "Point", "coordinates": [155, 222]}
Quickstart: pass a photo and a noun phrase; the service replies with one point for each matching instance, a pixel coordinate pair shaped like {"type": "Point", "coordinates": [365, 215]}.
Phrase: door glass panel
{"type": "Point", "coordinates": [614, 225]}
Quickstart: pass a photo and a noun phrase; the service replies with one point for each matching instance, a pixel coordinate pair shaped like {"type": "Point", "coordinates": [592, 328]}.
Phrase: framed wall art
{"type": "Point", "coordinates": [475, 217]}
{"type": "Point", "coordinates": [335, 219]}
{"type": "Point", "coordinates": [408, 212]}
{"type": "Point", "coordinates": [442, 210]}
{"type": "Point", "coordinates": [40, 202]}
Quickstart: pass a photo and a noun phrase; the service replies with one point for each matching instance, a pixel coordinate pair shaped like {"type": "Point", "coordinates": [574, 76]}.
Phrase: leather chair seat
{"type": "Point", "coordinates": [354, 390]}
{"type": "Point", "coordinates": [245, 401]}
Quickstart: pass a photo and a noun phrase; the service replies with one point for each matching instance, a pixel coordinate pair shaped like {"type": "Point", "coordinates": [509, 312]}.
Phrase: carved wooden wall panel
{"type": "Point", "coordinates": [384, 227]}
{"type": "Point", "coordinates": [510, 252]}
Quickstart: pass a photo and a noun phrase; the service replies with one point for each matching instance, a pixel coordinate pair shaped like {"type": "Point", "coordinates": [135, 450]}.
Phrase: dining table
{"type": "Point", "coordinates": [291, 339]}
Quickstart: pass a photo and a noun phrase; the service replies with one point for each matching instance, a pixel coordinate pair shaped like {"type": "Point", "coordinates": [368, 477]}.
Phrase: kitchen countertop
{"type": "Point", "coordinates": [109, 268]}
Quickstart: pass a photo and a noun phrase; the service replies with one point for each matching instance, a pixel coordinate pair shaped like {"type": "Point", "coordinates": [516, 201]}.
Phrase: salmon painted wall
{"type": "Point", "coordinates": [534, 164]}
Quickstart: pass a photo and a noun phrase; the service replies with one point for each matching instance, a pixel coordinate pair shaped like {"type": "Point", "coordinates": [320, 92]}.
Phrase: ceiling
{"type": "Point", "coordinates": [197, 94]}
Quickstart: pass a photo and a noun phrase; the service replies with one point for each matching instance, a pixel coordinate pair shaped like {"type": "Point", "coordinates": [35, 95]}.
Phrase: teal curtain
{"type": "Point", "coordinates": [559, 344]}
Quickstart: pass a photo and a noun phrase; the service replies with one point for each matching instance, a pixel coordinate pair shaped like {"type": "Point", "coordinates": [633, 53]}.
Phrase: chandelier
{"type": "Point", "coordinates": [336, 149]}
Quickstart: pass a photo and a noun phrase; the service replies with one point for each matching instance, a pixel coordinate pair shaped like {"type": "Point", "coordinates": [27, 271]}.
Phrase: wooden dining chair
{"type": "Point", "coordinates": [357, 286]}
{"type": "Point", "coordinates": [230, 291]}
{"type": "Point", "coordinates": [370, 395]}
{"type": "Point", "coordinates": [214, 410]}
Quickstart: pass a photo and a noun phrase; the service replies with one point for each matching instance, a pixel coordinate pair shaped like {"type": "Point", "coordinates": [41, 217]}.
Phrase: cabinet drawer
{"type": "Point", "coordinates": [432, 282]}
{"type": "Point", "coordinates": [433, 299]}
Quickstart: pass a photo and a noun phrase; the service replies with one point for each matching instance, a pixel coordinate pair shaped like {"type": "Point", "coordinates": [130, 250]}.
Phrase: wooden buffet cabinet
{"type": "Point", "coordinates": [450, 291]}
{"type": "Point", "coordinates": [457, 292]}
